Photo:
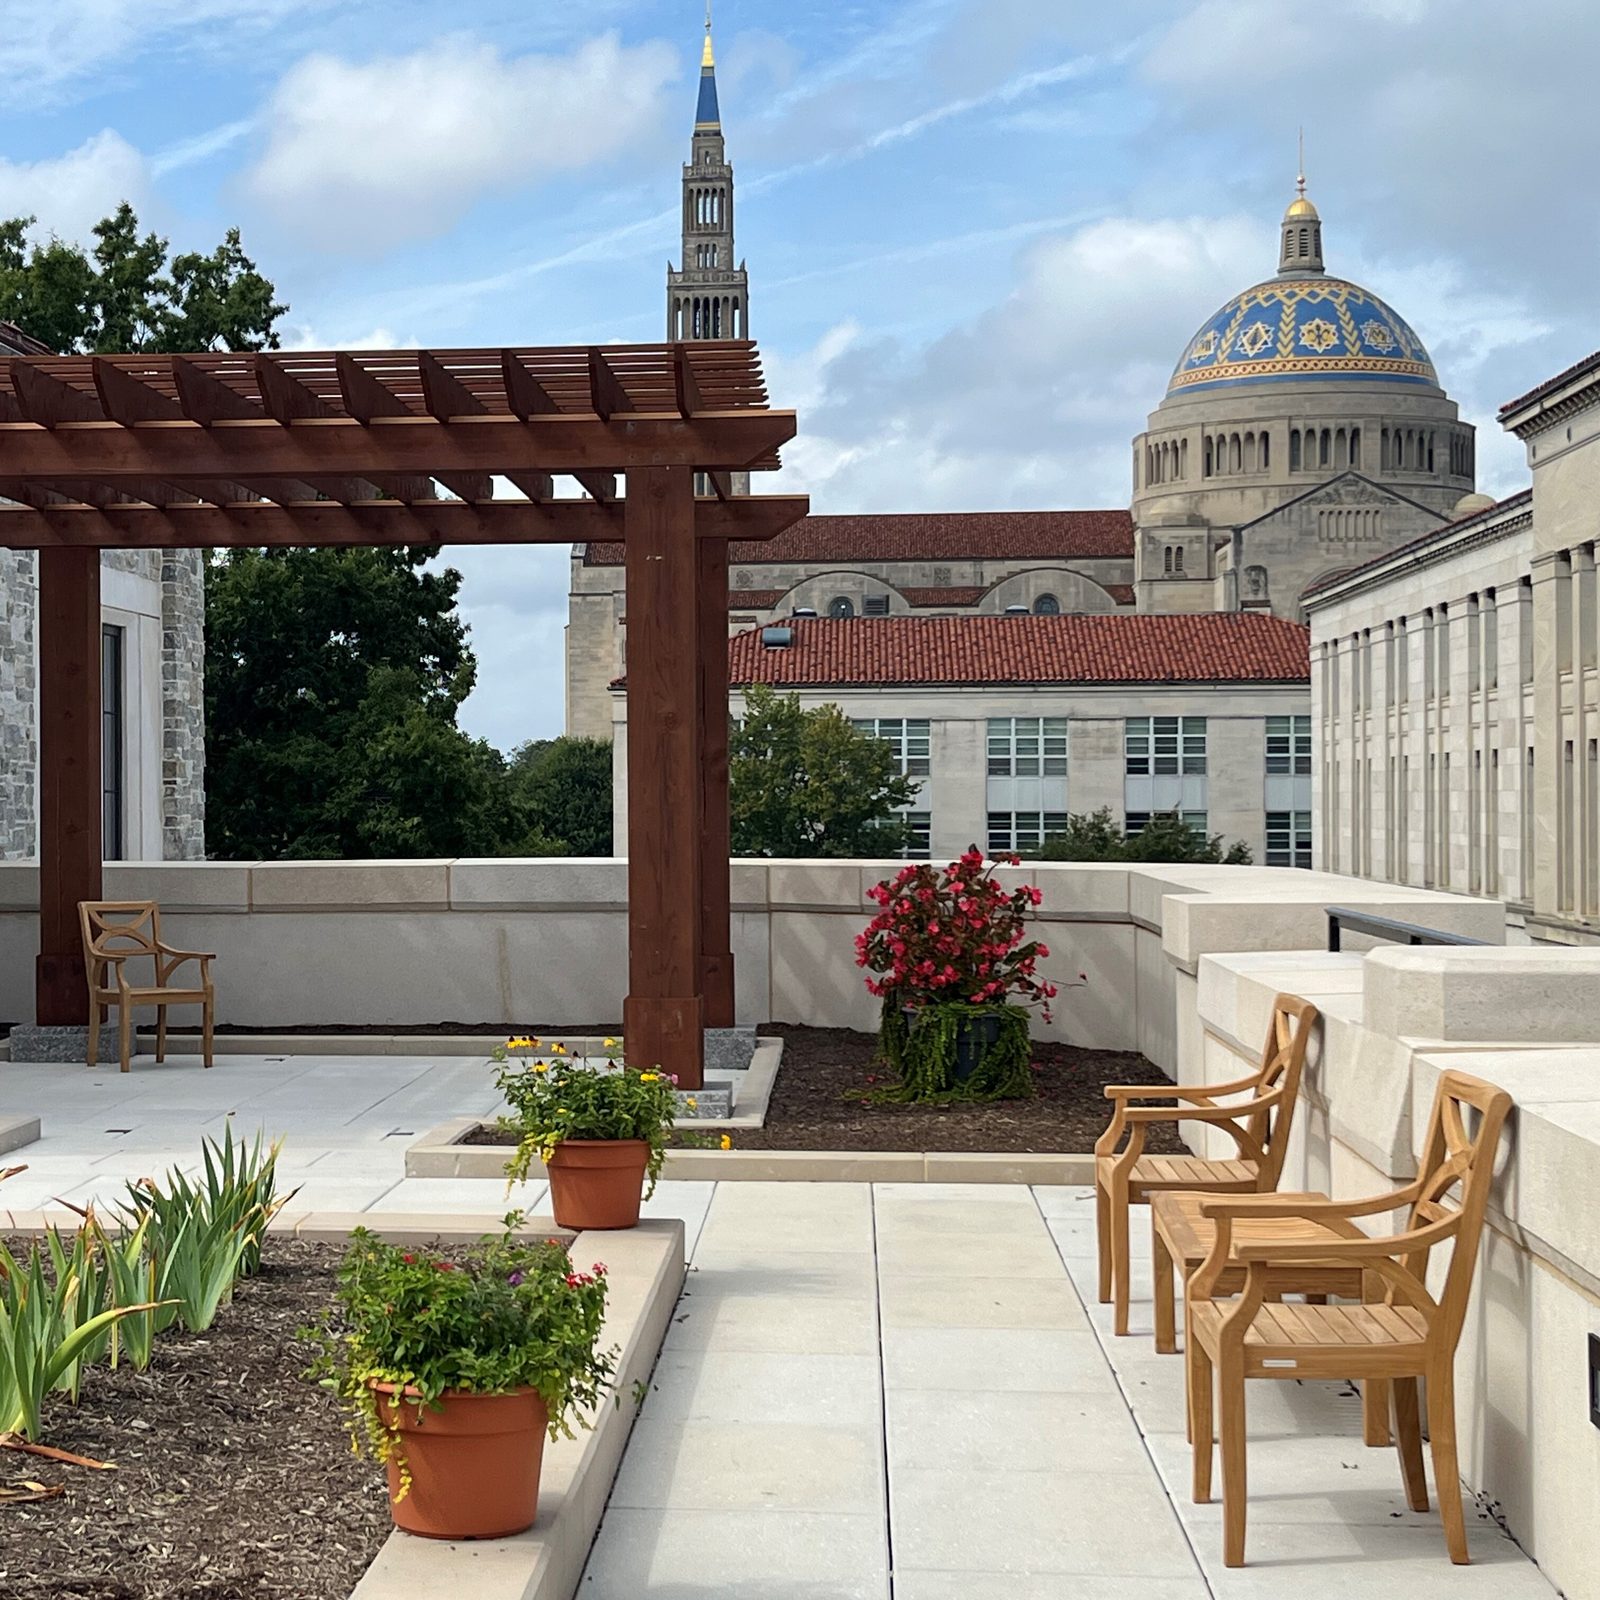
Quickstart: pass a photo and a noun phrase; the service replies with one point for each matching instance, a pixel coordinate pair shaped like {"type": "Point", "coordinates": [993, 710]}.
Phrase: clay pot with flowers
{"type": "Point", "coordinates": [599, 1127]}
{"type": "Point", "coordinates": [953, 965]}
{"type": "Point", "coordinates": [455, 1366]}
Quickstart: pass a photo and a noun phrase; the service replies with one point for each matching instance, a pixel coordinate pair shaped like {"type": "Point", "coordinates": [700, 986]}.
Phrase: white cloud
{"type": "Point", "coordinates": [200, 148]}
{"type": "Point", "coordinates": [361, 155]}
{"type": "Point", "coordinates": [72, 192]}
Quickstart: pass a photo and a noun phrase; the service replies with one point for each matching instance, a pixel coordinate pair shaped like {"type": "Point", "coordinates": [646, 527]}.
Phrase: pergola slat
{"type": "Point", "coordinates": [81, 435]}
{"type": "Point", "coordinates": [259, 523]}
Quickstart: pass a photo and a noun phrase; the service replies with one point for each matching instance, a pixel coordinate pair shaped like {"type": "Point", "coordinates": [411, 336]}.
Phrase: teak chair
{"type": "Point", "coordinates": [1259, 1128]}
{"type": "Point", "coordinates": [1406, 1336]}
{"type": "Point", "coordinates": [116, 932]}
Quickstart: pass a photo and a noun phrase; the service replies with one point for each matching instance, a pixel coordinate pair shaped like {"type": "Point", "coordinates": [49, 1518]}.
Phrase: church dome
{"type": "Point", "coordinates": [1295, 328]}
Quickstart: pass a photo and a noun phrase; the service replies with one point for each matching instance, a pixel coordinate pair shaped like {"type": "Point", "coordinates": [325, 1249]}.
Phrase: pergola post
{"type": "Point", "coordinates": [69, 840]}
{"type": "Point", "coordinates": [716, 944]}
{"type": "Point", "coordinates": [664, 1014]}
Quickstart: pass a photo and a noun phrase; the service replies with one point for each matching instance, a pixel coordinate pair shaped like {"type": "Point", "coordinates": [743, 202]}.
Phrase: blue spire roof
{"type": "Point", "coordinates": [706, 114]}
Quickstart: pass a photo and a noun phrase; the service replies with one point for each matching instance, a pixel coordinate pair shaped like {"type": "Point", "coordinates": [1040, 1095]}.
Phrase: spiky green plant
{"type": "Point", "coordinates": [132, 1275]}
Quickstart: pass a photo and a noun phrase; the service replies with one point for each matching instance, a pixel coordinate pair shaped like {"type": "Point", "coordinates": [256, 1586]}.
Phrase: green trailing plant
{"type": "Point", "coordinates": [921, 1048]}
{"type": "Point", "coordinates": [560, 1098]}
{"type": "Point", "coordinates": [501, 1316]}
{"type": "Point", "coordinates": [44, 1336]}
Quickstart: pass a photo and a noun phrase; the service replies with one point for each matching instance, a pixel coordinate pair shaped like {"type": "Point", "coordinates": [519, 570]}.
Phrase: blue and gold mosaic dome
{"type": "Point", "coordinates": [1290, 329]}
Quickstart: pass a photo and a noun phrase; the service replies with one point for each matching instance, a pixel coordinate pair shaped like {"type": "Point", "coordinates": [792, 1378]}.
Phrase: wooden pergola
{"type": "Point", "coordinates": [351, 448]}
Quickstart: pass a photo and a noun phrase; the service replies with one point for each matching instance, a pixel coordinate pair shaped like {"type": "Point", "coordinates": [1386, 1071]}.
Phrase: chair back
{"type": "Point", "coordinates": [1455, 1172]}
{"type": "Point", "coordinates": [1283, 1060]}
{"type": "Point", "coordinates": [117, 928]}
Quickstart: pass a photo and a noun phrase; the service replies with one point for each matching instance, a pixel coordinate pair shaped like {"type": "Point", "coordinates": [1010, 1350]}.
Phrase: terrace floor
{"type": "Point", "coordinates": [892, 1391]}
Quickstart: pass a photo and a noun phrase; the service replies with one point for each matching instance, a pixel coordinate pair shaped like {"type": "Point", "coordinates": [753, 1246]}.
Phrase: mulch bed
{"type": "Point", "coordinates": [823, 1099]}
{"type": "Point", "coordinates": [234, 1478]}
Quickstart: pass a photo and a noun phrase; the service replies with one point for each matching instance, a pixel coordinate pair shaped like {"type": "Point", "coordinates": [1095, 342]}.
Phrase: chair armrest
{"type": "Point", "coordinates": [1176, 1091]}
{"type": "Point", "coordinates": [187, 955]}
{"type": "Point", "coordinates": [1251, 1206]}
{"type": "Point", "coordinates": [1386, 1247]}
{"type": "Point", "coordinates": [1216, 1114]}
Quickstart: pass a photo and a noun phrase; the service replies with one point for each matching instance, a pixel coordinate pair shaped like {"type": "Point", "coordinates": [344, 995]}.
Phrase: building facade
{"type": "Point", "coordinates": [1455, 689]}
{"type": "Point", "coordinates": [152, 670]}
{"type": "Point", "coordinates": [1010, 724]}
{"type": "Point", "coordinates": [1304, 430]}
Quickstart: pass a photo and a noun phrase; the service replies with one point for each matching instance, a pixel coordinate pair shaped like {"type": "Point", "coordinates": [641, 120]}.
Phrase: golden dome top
{"type": "Point", "coordinates": [1300, 207]}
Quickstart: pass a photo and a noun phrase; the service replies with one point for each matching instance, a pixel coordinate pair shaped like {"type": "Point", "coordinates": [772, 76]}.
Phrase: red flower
{"type": "Point", "coordinates": [445, 1266]}
{"type": "Point", "coordinates": [408, 1257]}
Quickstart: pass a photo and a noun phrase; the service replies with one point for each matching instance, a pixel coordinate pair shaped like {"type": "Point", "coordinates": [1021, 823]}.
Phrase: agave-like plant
{"type": "Point", "coordinates": [42, 1338]}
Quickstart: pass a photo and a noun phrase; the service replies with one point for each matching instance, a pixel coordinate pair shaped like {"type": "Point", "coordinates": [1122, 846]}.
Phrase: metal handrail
{"type": "Point", "coordinates": [1341, 918]}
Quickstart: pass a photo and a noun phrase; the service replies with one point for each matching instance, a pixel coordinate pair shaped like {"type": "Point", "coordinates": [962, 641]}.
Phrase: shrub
{"type": "Point", "coordinates": [563, 1098]}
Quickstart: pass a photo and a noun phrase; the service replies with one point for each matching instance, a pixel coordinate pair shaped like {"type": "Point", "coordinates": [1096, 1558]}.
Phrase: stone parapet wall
{"type": "Point", "coordinates": [412, 943]}
{"type": "Point", "coordinates": [1527, 1020]}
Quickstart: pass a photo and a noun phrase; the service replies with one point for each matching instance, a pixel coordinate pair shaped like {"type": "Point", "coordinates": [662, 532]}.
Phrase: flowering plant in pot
{"type": "Point", "coordinates": [600, 1128]}
{"type": "Point", "coordinates": [455, 1365]}
{"type": "Point", "coordinates": [955, 970]}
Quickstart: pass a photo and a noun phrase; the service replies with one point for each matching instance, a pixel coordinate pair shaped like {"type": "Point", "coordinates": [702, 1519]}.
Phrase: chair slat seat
{"type": "Point", "coordinates": [1286, 1329]}
{"type": "Point", "coordinates": [1193, 1172]}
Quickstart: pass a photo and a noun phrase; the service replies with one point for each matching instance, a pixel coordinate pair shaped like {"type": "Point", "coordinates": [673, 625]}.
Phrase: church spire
{"type": "Point", "coordinates": [707, 116]}
{"type": "Point", "coordinates": [1300, 253]}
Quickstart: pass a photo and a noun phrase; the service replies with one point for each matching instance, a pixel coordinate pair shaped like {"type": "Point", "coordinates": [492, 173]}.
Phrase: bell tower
{"type": "Point", "coordinates": [708, 297]}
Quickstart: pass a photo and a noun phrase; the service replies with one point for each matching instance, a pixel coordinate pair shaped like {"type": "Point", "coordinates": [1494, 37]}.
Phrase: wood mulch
{"type": "Point", "coordinates": [819, 1102]}
{"type": "Point", "coordinates": [234, 1478]}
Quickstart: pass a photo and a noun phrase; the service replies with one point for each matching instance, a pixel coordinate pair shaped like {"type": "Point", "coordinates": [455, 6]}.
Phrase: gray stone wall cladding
{"type": "Point", "coordinates": [181, 577]}
{"type": "Point", "coordinates": [19, 750]}
{"type": "Point", "coordinates": [183, 705]}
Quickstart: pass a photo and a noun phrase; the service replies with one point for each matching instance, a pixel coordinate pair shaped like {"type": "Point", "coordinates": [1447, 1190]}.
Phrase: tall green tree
{"type": "Point", "coordinates": [125, 296]}
{"type": "Point", "coordinates": [566, 785]}
{"type": "Point", "coordinates": [1097, 836]}
{"type": "Point", "coordinates": [333, 679]}
{"type": "Point", "coordinates": [810, 783]}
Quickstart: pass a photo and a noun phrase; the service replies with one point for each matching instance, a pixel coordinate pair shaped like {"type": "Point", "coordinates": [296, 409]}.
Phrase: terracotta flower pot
{"type": "Point", "coordinates": [474, 1464]}
{"type": "Point", "coordinates": [597, 1183]}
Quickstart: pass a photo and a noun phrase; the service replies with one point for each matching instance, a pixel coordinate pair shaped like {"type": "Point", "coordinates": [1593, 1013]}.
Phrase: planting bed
{"type": "Point", "coordinates": [820, 1102]}
{"type": "Point", "coordinates": [234, 1478]}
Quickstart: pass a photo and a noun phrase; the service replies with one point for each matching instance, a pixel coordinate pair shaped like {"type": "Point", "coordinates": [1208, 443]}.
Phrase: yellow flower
{"type": "Point", "coordinates": [611, 1044]}
{"type": "Point", "coordinates": [541, 1066]}
{"type": "Point", "coordinates": [558, 1049]}
{"type": "Point", "coordinates": [533, 1043]}
{"type": "Point", "coordinates": [692, 1103]}
{"type": "Point", "coordinates": [726, 1142]}
{"type": "Point", "coordinates": [649, 1077]}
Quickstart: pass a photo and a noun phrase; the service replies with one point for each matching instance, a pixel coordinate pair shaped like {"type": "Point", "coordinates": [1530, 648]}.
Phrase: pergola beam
{"type": "Point", "coordinates": [192, 525]}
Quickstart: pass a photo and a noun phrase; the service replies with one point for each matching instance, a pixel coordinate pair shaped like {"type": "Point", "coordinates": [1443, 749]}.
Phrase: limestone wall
{"type": "Point", "coordinates": [1527, 1019]}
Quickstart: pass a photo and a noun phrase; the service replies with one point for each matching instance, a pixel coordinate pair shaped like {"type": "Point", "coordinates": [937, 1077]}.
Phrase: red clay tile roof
{"type": "Point", "coordinates": [930, 536]}
{"type": "Point", "coordinates": [1122, 593]}
{"type": "Point", "coordinates": [1205, 648]}
{"type": "Point", "coordinates": [1550, 385]}
{"type": "Point", "coordinates": [753, 599]}
{"type": "Point", "coordinates": [1511, 502]}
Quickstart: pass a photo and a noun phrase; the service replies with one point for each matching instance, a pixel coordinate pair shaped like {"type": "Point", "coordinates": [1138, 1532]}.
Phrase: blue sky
{"type": "Point", "coordinates": [979, 231]}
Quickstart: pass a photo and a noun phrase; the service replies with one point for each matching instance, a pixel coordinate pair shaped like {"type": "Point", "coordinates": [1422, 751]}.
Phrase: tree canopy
{"type": "Point", "coordinates": [810, 783]}
{"type": "Point", "coordinates": [566, 785]}
{"type": "Point", "coordinates": [1097, 836]}
{"type": "Point", "coordinates": [125, 296]}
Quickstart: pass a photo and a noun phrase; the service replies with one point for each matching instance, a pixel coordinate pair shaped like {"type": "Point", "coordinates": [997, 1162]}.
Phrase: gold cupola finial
{"type": "Point", "coordinates": [706, 57]}
{"type": "Point", "coordinates": [1300, 206]}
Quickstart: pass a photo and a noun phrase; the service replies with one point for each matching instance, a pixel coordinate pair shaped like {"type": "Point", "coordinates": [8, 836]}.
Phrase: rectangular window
{"type": "Point", "coordinates": [1289, 745]}
{"type": "Point", "coordinates": [1136, 821]}
{"type": "Point", "coordinates": [1164, 746]}
{"type": "Point", "coordinates": [906, 736]}
{"type": "Point", "coordinates": [875, 605]}
{"type": "Point", "coordinates": [1027, 747]}
{"type": "Point", "coordinates": [920, 845]}
{"type": "Point", "coordinates": [1289, 839]}
{"type": "Point", "coordinates": [111, 742]}
{"type": "Point", "coordinates": [1023, 832]}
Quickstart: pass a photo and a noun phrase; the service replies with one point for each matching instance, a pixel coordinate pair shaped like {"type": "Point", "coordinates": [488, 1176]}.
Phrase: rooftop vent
{"type": "Point", "coordinates": [777, 638]}
{"type": "Point", "coordinates": [803, 611]}
{"type": "Point", "coordinates": [1017, 611]}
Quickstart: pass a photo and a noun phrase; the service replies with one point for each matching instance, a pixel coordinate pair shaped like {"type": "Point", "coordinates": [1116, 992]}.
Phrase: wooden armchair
{"type": "Point", "coordinates": [1405, 1335]}
{"type": "Point", "coordinates": [1258, 1126]}
{"type": "Point", "coordinates": [116, 932]}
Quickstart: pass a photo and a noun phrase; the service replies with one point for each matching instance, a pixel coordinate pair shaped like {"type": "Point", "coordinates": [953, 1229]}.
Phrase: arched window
{"type": "Point", "coordinates": [1266, 452]}
{"type": "Point", "coordinates": [1183, 458]}
{"type": "Point", "coordinates": [1339, 447]}
{"type": "Point", "coordinates": [1177, 561]}
{"type": "Point", "coordinates": [1325, 448]}
{"type": "Point", "coordinates": [1047, 606]}
{"type": "Point", "coordinates": [1205, 468]}
{"type": "Point", "coordinates": [1430, 452]}
{"type": "Point", "coordinates": [841, 606]}
{"type": "Point", "coordinates": [1294, 449]}
{"type": "Point", "coordinates": [1235, 454]}
{"type": "Point", "coordinates": [1249, 452]}
{"type": "Point", "coordinates": [1355, 447]}
{"type": "Point", "coordinates": [1305, 241]}
{"type": "Point", "coordinates": [1166, 564]}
